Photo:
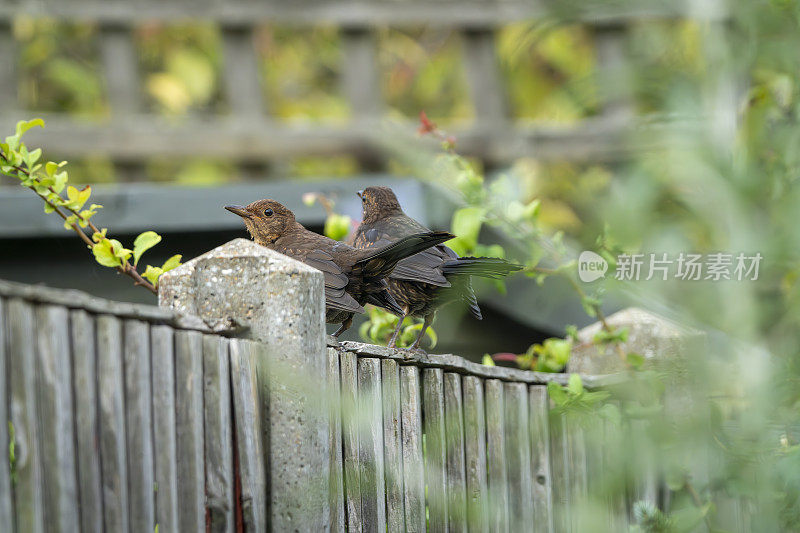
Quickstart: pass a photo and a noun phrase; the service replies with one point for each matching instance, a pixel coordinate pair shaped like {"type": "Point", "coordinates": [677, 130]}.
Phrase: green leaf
{"type": "Point", "coordinates": [557, 393]}
{"type": "Point", "coordinates": [572, 332]}
{"type": "Point", "coordinates": [104, 253]}
{"type": "Point", "coordinates": [33, 157]}
{"type": "Point", "coordinates": [688, 518]}
{"type": "Point", "coordinates": [12, 142]}
{"type": "Point", "coordinates": [60, 181]}
{"type": "Point", "coordinates": [152, 273]}
{"type": "Point", "coordinates": [172, 262]}
{"type": "Point", "coordinates": [24, 125]}
{"type": "Point", "coordinates": [119, 251]}
{"type": "Point", "coordinates": [337, 226]}
{"type": "Point", "coordinates": [467, 223]}
{"type": "Point", "coordinates": [99, 235]}
{"type": "Point", "coordinates": [144, 242]}
{"type": "Point", "coordinates": [70, 221]}
{"type": "Point", "coordinates": [635, 360]}
{"type": "Point", "coordinates": [77, 197]}
{"type": "Point", "coordinates": [575, 385]}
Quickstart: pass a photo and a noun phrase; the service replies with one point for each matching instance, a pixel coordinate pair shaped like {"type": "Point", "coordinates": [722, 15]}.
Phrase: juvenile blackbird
{"type": "Point", "coordinates": [422, 283]}
{"type": "Point", "coordinates": [352, 277]}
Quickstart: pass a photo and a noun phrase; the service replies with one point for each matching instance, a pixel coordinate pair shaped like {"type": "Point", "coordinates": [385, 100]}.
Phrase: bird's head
{"type": "Point", "coordinates": [378, 202]}
{"type": "Point", "coordinates": [266, 220]}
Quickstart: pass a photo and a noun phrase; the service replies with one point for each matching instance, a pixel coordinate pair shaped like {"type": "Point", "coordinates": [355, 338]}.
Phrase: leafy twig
{"type": "Point", "coordinates": [48, 186]}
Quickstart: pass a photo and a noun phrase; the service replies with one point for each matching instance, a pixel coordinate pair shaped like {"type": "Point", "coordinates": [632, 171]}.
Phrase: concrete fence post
{"type": "Point", "coordinates": [281, 301]}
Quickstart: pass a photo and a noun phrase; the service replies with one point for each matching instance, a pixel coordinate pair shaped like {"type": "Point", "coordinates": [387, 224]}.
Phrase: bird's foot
{"type": "Point", "coordinates": [415, 350]}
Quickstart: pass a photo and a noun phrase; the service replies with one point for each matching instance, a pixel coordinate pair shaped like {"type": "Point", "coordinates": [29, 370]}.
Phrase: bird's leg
{"type": "Point", "coordinates": [344, 327]}
{"type": "Point", "coordinates": [393, 339]}
{"type": "Point", "coordinates": [427, 322]}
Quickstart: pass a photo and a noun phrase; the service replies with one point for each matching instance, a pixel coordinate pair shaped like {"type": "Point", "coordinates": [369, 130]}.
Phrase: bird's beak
{"type": "Point", "coordinates": [238, 210]}
{"type": "Point", "coordinates": [360, 194]}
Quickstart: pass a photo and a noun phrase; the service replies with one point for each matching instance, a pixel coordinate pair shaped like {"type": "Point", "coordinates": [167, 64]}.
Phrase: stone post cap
{"type": "Point", "coordinates": [239, 283]}
{"type": "Point", "coordinates": [656, 338]}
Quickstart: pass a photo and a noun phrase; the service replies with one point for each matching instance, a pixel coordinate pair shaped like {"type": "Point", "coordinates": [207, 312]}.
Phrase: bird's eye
{"type": "Point", "coordinates": [268, 212]}
{"type": "Point", "coordinates": [363, 198]}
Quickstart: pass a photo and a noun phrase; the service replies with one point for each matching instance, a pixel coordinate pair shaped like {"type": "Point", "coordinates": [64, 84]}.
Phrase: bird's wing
{"type": "Point", "coordinates": [335, 282]}
{"type": "Point", "coordinates": [425, 266]}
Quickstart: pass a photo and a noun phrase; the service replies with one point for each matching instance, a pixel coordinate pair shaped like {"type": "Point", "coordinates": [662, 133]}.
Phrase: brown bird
{"type": "Point", "coordinates": [352, 277]}
{"type": "Point", "coordinates": [422, 283]}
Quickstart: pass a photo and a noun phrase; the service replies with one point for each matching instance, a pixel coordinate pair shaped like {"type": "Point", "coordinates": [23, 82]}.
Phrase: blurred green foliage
{"type": "Point", "coordinates": [60, 68]}
{"type": "Point", "coordinates": [300, 67]}
{"type": "Point", "coordinates": [422, 69]}
{"type": "Point", "coordinates": [181, 66]}
{"type": "Point", "coordinates": [549, 71]}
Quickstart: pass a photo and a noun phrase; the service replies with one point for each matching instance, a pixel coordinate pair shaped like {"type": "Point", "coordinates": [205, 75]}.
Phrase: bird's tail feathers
{"type": "Point", "coordinates": [485, 267]}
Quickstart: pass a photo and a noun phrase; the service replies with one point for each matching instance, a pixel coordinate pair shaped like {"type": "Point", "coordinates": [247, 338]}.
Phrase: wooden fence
{"type": "Point", "coordinates": [122, 417]}
{"type": "Point", "coordinates": [247, 133]}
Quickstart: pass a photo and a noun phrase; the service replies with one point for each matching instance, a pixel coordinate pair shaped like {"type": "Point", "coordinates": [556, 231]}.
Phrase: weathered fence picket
{"type": "Point", "coordinates": [249, 446]}
{"type": "Point", "coordinates": [164, 415]}
{"type": "Point", "coordinates": [518, 453]}
{"type": "Point", "coordinates": [55, 417]}
{"type": "Point", "coordinates": [370, 446]}
{"type": "Point", "coordinates": [496, 456]}
{"type": "Point", "coordinates": [82, 337]}
{"type": "Point", "coordinates": [189, 429]}
{"type": "Point", "coordinates": [138, 424]}
{"type": "Point", "coordinates": [413, 469]}
{"type": "Point", "coordinates": [454, 445]}
{"type": "Point", "coordinates": [540, 459]}
{"type": "Point", "coordinates": [435, 453]}
{"type": "Point", "coordinates": [475, 454]}
{"type": "Point", "coordinates": [393, 445]}
{"type": "Point", "coordinates": [218, 424]}
{"type": "Point", "coordinates": [350, 440]}
{"type": "Point", "coordinates": [6, 512]}
{"type": "Point", "coordinates": [336, 481]}
{"type": "Point", "coordinates": [126, 417]}
{"type": "Point", "coordinates": [28, 487]}
{"type": "Point", "coordinates": [113, 447]}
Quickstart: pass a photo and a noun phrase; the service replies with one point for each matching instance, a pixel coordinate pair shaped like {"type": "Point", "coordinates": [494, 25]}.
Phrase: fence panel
{"type": "Point", "coordinates": [169, 425]}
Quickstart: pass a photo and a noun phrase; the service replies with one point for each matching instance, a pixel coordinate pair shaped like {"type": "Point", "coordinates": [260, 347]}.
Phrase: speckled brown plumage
{"type": "Point", "coordinates": [353, 277]}
{"type": "Point", "coordinates": [435, 277]}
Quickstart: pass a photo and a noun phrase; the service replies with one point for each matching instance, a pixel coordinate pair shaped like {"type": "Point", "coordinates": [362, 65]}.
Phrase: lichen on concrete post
{"type": "Point", "coordinates": [281, 302]}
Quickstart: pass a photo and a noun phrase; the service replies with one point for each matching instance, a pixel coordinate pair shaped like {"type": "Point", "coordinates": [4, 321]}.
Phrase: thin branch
{"type": "Point", "coordinates": [124, 268]}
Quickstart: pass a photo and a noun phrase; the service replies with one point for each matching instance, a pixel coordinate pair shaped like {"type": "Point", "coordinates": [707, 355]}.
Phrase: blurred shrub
{"type": "Point", "coordinates": [548, 71]}
{"type": "Point", "coordinates": [181, 65]}
{"type": "Point", "coordinates": [59, 66]}
{"type": "Point", "coordinates": [300, 69]}
{"type": "Point", "coordinates": [422, 69]}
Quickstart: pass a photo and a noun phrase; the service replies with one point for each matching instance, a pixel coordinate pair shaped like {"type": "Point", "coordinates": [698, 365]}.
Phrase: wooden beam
{"type": "Point", "coordinates": [448, 13]}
